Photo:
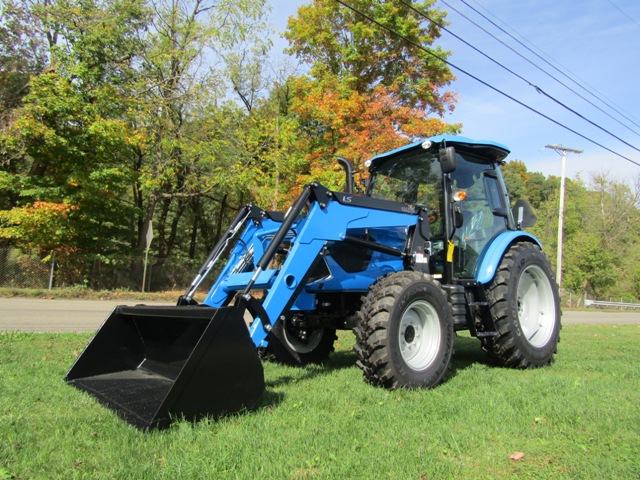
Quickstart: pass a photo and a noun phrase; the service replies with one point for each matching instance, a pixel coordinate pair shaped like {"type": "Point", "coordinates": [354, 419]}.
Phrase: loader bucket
{"type": "Point", "coordinates": [153, 364]}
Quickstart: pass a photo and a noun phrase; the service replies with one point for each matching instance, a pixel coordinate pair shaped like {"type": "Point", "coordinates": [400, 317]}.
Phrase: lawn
{"type": "Point", "coordinates": [579, 418]}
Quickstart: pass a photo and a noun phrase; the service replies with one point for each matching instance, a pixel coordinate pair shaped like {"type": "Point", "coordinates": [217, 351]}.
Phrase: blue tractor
{"type": "Point", "coordinates": [430, 247]}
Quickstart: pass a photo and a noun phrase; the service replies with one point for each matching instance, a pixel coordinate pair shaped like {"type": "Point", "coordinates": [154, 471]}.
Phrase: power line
{"type": "Point", "coordinates": [608, 103]}
{"type": "Point", "coordinates": [538, 89]}
{"type": "Point", "coordinates": [533, 63]}
{"type": "Point", "coordinates": [486, 84]}
{"type": "Point", "coordinates": [624, 13]}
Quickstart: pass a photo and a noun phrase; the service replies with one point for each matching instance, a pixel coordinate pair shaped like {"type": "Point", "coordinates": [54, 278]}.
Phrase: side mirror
{"type": "Point", "coordinates": [447, 158]}
{"type": "Point", "coordinates": [523, 214]}
{"type": "Point", "coordinates": [500, 212]}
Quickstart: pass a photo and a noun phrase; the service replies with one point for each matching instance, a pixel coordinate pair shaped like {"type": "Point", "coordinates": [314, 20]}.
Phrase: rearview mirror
{"type": "Point", "coordinates": [447, 158]}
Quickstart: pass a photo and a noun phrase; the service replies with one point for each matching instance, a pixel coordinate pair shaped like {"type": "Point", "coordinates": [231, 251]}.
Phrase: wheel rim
{"type": "Point", "coordinates": [536, 306]}
{"type": "Point", "coordinates": [299, 345]}
{"type": "Point", "coordinates": [419, 335]}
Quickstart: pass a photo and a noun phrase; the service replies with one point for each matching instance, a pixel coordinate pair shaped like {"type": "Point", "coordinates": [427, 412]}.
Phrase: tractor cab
{"type": "Point", "coordinates": [458, 184]}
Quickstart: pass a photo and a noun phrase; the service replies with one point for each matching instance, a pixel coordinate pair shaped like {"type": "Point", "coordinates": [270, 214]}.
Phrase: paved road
{"type": "Point", "coordinates": [600, 317]}
{"type": "Point", "coordinates": [36, 315]}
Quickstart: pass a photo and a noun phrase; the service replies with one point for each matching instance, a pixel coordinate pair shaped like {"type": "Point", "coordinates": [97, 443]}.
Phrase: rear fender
{"type": "Point", "coordinates": [494, 251]}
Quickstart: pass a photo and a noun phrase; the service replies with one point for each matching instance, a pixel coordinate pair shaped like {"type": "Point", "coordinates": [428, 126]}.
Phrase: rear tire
{"type": "Point", "coordinates": [525, 305]}
{"type": "Point", "coordinates": [405, 332]}
{"type": "Point", "coordinates": [291, 345]}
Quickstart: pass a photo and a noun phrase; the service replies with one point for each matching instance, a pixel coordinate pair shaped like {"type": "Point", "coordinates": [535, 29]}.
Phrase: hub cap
{"type": "Point", "coordinates": [419, 335]}
{"type": "Point", "coordinates": [536, 306]}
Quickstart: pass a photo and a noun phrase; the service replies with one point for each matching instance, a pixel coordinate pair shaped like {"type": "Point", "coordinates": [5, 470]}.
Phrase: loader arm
{"type": "Point", "coordinates": [329, 218]}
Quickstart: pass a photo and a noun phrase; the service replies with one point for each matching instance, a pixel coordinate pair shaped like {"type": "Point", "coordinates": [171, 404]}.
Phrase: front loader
{"type": "Point", "coordinates": [429, 248]}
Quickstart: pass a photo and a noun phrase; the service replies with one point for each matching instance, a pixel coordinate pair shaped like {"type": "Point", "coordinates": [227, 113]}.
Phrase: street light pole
{"type": "Point", "coordinates": [563, 151]}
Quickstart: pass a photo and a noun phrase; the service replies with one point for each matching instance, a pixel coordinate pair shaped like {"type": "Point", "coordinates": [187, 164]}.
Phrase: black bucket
{"type": "Point", "coordinates": [154, 364]}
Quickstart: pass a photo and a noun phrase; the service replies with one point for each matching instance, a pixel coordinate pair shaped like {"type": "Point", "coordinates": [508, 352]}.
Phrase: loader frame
{"type": "Point", "coordinates": [332, 217]}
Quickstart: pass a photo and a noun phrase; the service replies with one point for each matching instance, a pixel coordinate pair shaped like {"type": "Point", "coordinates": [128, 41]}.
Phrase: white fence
{"type": "Point", "coordinates": [605, 304]}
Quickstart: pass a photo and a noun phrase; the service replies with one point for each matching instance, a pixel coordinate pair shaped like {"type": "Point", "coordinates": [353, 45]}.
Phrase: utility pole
{"type": "Point", "coordinates": [563, 151]}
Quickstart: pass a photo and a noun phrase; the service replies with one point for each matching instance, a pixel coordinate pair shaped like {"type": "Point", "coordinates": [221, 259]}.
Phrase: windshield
{"type": "Point", "coordinates": [415, 178]}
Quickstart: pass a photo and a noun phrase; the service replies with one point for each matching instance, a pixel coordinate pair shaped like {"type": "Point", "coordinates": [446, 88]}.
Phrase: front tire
{"type": "Point", "coordinates": [405, 332]}
{"type": "Point", "coordinates": [296, 346]}
{"type": "Point", "coordinates": [525, 305]}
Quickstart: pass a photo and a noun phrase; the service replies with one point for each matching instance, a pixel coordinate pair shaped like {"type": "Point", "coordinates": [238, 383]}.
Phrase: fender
{"type": "Point", "coordinates": [495, 250]}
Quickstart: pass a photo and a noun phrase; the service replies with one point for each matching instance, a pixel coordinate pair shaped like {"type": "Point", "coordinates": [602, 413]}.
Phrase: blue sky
{"type": "Point", "coordinates": [597, 42]}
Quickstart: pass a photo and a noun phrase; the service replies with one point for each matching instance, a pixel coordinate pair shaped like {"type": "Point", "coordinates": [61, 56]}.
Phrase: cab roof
{"type": "Point", "coordinates": [492, 151]}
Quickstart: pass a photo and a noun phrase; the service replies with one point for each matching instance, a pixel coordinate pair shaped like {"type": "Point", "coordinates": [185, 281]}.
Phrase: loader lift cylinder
{"type": "Point", "coordinates": [280, 235]}
{"type": "Point", "coordinates": [289, 219]}
{"type": "Point", "coordinates": [211, 260]}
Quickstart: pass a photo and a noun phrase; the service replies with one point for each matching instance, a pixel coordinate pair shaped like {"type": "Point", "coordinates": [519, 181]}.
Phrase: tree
{"type": "Point", "coordinates": [368, 89]}
{"type": "Point", "coordinates": [530, 186]}
{"type": "Point", "coordinates": [63, 150]}
{"type": "Point", "coordinates": [601, 225]}
{"type": "Point", "coordinates": [515, 177]}
{"type": "Point", "coordinates": [337, 42]}
{"type": "Point", "coordinates": [22, 55]}
{"type": "Point", "coordinates": [129, 119]}
{"type": "Point", "coordinates": [274, 156]}
{"type": "Point", "coordinates": [190, 125]}
{"type": "Point", "coordinates": [615, 221]}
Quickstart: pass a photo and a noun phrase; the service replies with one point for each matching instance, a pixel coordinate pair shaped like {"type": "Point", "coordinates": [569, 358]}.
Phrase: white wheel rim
{"type": "Point", "coordinates": [419, 335]}
{"type": "Point", "coordinates": [303, 347]}
{"type": "Point", "coordinates": [536, 306]}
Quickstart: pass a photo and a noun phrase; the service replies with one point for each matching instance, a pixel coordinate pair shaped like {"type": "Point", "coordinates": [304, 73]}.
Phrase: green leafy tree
{"type": "Point", "coordinates": [601, 225]}
{"type": "Point", "coordinates": [22, 55]}
{"type": "Point", "coordinates": [530, 186]}
{"type": "Point", "coordinates": [589, 267]}
{"type": "Point", "coordinates": [337, 42]}
{"type": "Point", "coordinates": [191, 126]}
{"type": "Point", "coordinates": [274, 157]}
{"type": "Point", "coordinates": [515, 177]}
{"type": "Point", "coordinates": [615, 217]}
{"type": "Point", "coordinates": [65, 145]}
{"type": "Point", "coordinates": [129, 120]}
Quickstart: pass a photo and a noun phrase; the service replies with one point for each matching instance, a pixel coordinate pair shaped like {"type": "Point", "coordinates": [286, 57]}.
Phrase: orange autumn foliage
{"type": "Point", "coordinates": [355, 125]}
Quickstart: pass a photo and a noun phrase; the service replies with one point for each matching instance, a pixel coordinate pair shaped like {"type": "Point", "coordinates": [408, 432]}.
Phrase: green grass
{"type": "Point", "coordinates": [579, 418]}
